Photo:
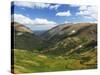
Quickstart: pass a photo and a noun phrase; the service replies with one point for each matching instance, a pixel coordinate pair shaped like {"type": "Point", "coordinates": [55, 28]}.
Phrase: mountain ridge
{"type": "Point", "coordinates": [24, 38]}
{"type": "Point", "coordinates": [64, 45]}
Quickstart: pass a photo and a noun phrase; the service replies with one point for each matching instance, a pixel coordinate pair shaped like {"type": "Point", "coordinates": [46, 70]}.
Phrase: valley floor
{"type": "Point", "coordinates": [28, 62]}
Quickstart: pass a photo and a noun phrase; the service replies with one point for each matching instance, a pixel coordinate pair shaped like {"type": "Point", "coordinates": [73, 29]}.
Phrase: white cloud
{"type": "Point", "coordinates": [22, 19]}
{"type": "Point", "coordinates": [43, 27]}
{"type": "Point", "coordinates": [83, 7]}
{"type": "Point", "coordinates": [65, 13]}
{"type": "Point", "coordinates": [36, 5]}
{"type": "Point", "coordinates": [93, 21]}
{"type": "Point", "coordinates": [66, 22]}
{"type": "Point", "coordinates": [31, 4]}
{"type": "Point", "coordinates": [26, 20]}
{"type": "Point", "coordinates": [35, 24]}
{"type": "Point", "coordinates": [88, 12]}
{"type": "Point", "coordinates": [74, 5]}
{"type": "Point", "coordinates": [54, 6]}
{"type": "Point", "coordinates": [84, 13]}
{"type": "Point", "coordinates": [43, 21]}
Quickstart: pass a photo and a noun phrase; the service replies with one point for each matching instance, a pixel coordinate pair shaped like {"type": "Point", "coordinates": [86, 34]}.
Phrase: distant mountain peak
{"type": "Point", "coordinates": [21, 28]}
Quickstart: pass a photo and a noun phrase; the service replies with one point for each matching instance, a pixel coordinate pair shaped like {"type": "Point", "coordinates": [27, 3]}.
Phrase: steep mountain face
{"type": "Point", "coordinates": [21, 28]}
{"type": "Point", "coordinates": [24, 38]}
{"type": "Point", "coordinates": [80, 31]}
{"type": "Point", "coordinates": [65, 47]}
{"type": "Point", "coordinates": [68, 30]}
{"type": "Point", "coordinates": [78, 41]}
{"type": "Point", "coordinates": [61, 40]}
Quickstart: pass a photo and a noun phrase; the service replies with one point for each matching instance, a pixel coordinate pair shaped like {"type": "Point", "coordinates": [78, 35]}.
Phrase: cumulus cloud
{"type": "Point", "coordinates": [65, 13]}
{"type": "Point", "coordinates": [35, 24]}
{"type": "Point", "coordinates": [88, 12]}
{"type": "Point", "coordinates": [31, 4]}
{"type": "Point", "coordinates": [74, 5]}
{"type": "Point", "coordinates": [54, 6]}
{"type": "Point", "coordinates": [66, 22]}
{"type": "Point", "coordinates": [83, 7]}
{"type": "Point", "coordinates": [26, 20]}
{"type": "Point", "coordinates": [43, 27]}
{"type": "Point", "coordinates": [36, 5]}
{"type": "Point", "coordinates": [22, 19]}
{"type": "Point", "coordinates": [42, 21]}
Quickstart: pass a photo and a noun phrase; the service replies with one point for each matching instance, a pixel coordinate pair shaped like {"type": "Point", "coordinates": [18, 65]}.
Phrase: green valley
{"type": "Point", "coordinates": [62, 48]}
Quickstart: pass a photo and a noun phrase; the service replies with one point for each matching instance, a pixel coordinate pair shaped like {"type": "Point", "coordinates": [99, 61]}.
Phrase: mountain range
{"type": "Point", "coordinates": [69, 41]}
{"type": "Point", "coordinates": [24, 38]}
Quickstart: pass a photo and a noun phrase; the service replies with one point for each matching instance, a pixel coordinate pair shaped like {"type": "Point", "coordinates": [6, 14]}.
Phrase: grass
{"type": "Point", "coordinates": [28, 62]}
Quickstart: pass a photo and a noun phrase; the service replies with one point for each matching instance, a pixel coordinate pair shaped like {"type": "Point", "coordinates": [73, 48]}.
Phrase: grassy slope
{"type": "Point", "coordinates": [65, 54]}
{"type": "Point", "coordinates": [27, 62]}
{"type": "Point", "coordinates": [27, 41]}
{"type": "Point", "coordinates": [23, 37]}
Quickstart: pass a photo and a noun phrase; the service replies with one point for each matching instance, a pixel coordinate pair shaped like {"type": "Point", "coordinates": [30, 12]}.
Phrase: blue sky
{"type": "Point", "coordinates": [43, 16]}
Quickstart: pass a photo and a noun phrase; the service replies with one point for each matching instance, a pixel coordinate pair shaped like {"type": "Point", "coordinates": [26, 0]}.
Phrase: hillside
{"type": "Point", "coordinates": [77, 32]}
{"type": "Point", "coordinates": [67, 30]}
{"type": "Point", "coordinates": [28, 62]}
{"type": "Point", "coordinates": [24, 38]}
{"type": "Point", "coordinates": [77, 41]}
{"type": "Point", "coordinates": [61, 48]}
